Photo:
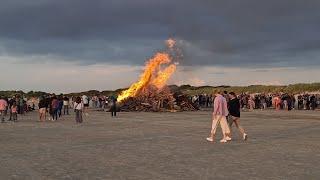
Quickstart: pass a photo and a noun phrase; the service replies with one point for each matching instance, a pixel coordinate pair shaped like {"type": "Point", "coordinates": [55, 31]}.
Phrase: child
{"type": "Point", "coordinates": [14, 112]}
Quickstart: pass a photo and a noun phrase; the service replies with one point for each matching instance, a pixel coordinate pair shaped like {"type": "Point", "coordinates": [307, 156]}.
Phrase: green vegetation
{"type": "Point", "coordinates": [191, 90]}
{"type": "Point", "coordinates": [21, 93]}
{"type": "Point", "coordinates": [292, 88]}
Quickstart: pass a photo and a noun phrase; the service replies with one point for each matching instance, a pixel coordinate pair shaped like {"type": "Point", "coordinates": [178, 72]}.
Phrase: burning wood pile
{"type": "Point", "coordinates": [150, 93]}
{"type": "Point", "coordinates": [155, 100]}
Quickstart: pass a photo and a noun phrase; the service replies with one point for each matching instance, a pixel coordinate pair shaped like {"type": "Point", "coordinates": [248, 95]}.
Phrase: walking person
{"type": "Point", "coordinates": [3, 108]}
{"type": "Point", "coordinates": [220, 111]}
{"type": "Point", "coordinates": [234, 111]}
{"type": "Point", "coordinates": [78, 109]}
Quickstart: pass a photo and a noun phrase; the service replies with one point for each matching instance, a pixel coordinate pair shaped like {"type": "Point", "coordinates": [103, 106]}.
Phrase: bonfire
{"type": "Point", "coordinates": [150, 92]}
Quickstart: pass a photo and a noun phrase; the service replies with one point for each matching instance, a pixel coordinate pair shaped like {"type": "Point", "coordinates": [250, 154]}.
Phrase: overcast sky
{"type": "Point", "coordinates": [77, 45]}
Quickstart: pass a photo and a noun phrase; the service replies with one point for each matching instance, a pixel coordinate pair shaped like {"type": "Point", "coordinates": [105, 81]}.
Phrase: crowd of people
{"type": "Point", "coordinates": [14, 106]}
{"type": "Point", "coordinates": [262, 101]}
{"type": "Point", "coordinates": [52, 107]}
{"type": "Point", "coordinates": [55, 105]}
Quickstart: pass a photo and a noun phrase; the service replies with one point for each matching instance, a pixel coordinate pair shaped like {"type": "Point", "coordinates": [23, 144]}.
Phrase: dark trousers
{"type": "Point", "coordinates": [55, 114]}
{"type": "Point", "coordinates": [21, 109]}
{"type": "Point", "coordinates": [60, 111]}
{"type": "Point", "coordinates": [10, 115]}
{"type": "Point", "coordinates": [2, 112]}
{"type": "Point", "coordinates": [66, 109]}
{"type": "Point", "coordinates": [78, 116]}
{"type": "Point", "coordinates": [14, 116]}
{"type": "Point", "coordinates": [229, 120]}
{"type": "Point", "coordinates": [113, 111]}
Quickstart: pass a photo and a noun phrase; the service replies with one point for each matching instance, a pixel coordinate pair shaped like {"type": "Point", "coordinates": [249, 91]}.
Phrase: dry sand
{"type": "Point", "coordinates": [281, 145]}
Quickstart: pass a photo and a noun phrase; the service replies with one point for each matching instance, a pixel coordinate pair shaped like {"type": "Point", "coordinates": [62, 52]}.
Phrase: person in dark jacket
{"type": "Point", "coordinates": [113, 108]}
{"type": "Point", "coordinates": [234, 111]}
{"type": "Point", "coordinates": [60, 105]}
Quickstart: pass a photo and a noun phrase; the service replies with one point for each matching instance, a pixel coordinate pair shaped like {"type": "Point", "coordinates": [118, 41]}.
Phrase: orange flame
{"type": "Point", "coordinates": [154, 74]}
{"type": "Point", "coordinates": [163, 76]}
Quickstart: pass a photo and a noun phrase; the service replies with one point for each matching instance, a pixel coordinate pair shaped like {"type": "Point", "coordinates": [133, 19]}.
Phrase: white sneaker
{"type": "Point", "coordinates": [223, 141]}
{"type": "Point", "coordinates": [209, 139]}
{"type": "Point", "coordinates": [245, 136]}
{"type": "Point", "coordinates": [228, 138]}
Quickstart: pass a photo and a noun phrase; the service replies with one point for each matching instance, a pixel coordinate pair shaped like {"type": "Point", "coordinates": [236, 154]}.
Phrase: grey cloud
{"type": "Point", "coordinates": [223, 33]}
{"type": "Point", "coordinates": [83, 52]}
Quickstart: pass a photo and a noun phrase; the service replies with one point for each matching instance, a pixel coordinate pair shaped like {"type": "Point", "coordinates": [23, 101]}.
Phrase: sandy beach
{"type": "Point", "coordinates": [281, 145]}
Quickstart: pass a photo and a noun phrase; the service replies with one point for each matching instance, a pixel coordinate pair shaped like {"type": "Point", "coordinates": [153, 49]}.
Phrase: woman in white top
{"type": "Point", "coordinates": [78, 108]}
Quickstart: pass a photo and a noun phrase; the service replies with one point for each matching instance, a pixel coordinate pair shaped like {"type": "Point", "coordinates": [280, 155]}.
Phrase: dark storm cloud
{"type": "Point", "coordinates": [226, 33]}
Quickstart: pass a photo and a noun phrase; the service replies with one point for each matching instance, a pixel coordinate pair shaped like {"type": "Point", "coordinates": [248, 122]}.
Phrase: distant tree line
{"type": "Point", "coordinates": [292, 88]}
{"type": "Point", "coordinates": [191, 90]}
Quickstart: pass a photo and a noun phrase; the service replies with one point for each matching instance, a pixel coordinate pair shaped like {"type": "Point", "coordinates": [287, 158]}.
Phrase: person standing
{"type": "Point", "coordinates": [85, 101]}
{"type": "Point", "coordinates": [113, 108]}
{"type": "Point", "coordinates": [65, 105]}
{"type": "Point", "coordinates": [14, 112]}
{"type": "Point", "coordinates": [11, 101]}
{"type": "Point", "coordinates": [277, 102]}
{"type": "Point", "coordinates": [3, 108]}
{"type": "Point", "coordinates": [234, 111]}
{"type": "Point", "coordinates": [60, 105]}
{"type": "Point", "coordinates": [251, 103]}
{"type": "Point", "coordinates": [49, 107]}
{"type": "Point", "coordinates": [78, 109]}
{"type": "Point", "coordinates": [42, 109]}
{"type": "Point", "coordinates": [54, 106]}
{"type": "Point", "coordinates": [220, 112]}
{"type": "Point", "coordinates": [313, 102]}
{"type": "Point", "coordinates": [263, 102]}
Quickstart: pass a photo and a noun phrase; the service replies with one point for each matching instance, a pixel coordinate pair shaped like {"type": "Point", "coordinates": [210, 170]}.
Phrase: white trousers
{"type": "Point", "coordinates": [216, 119]}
